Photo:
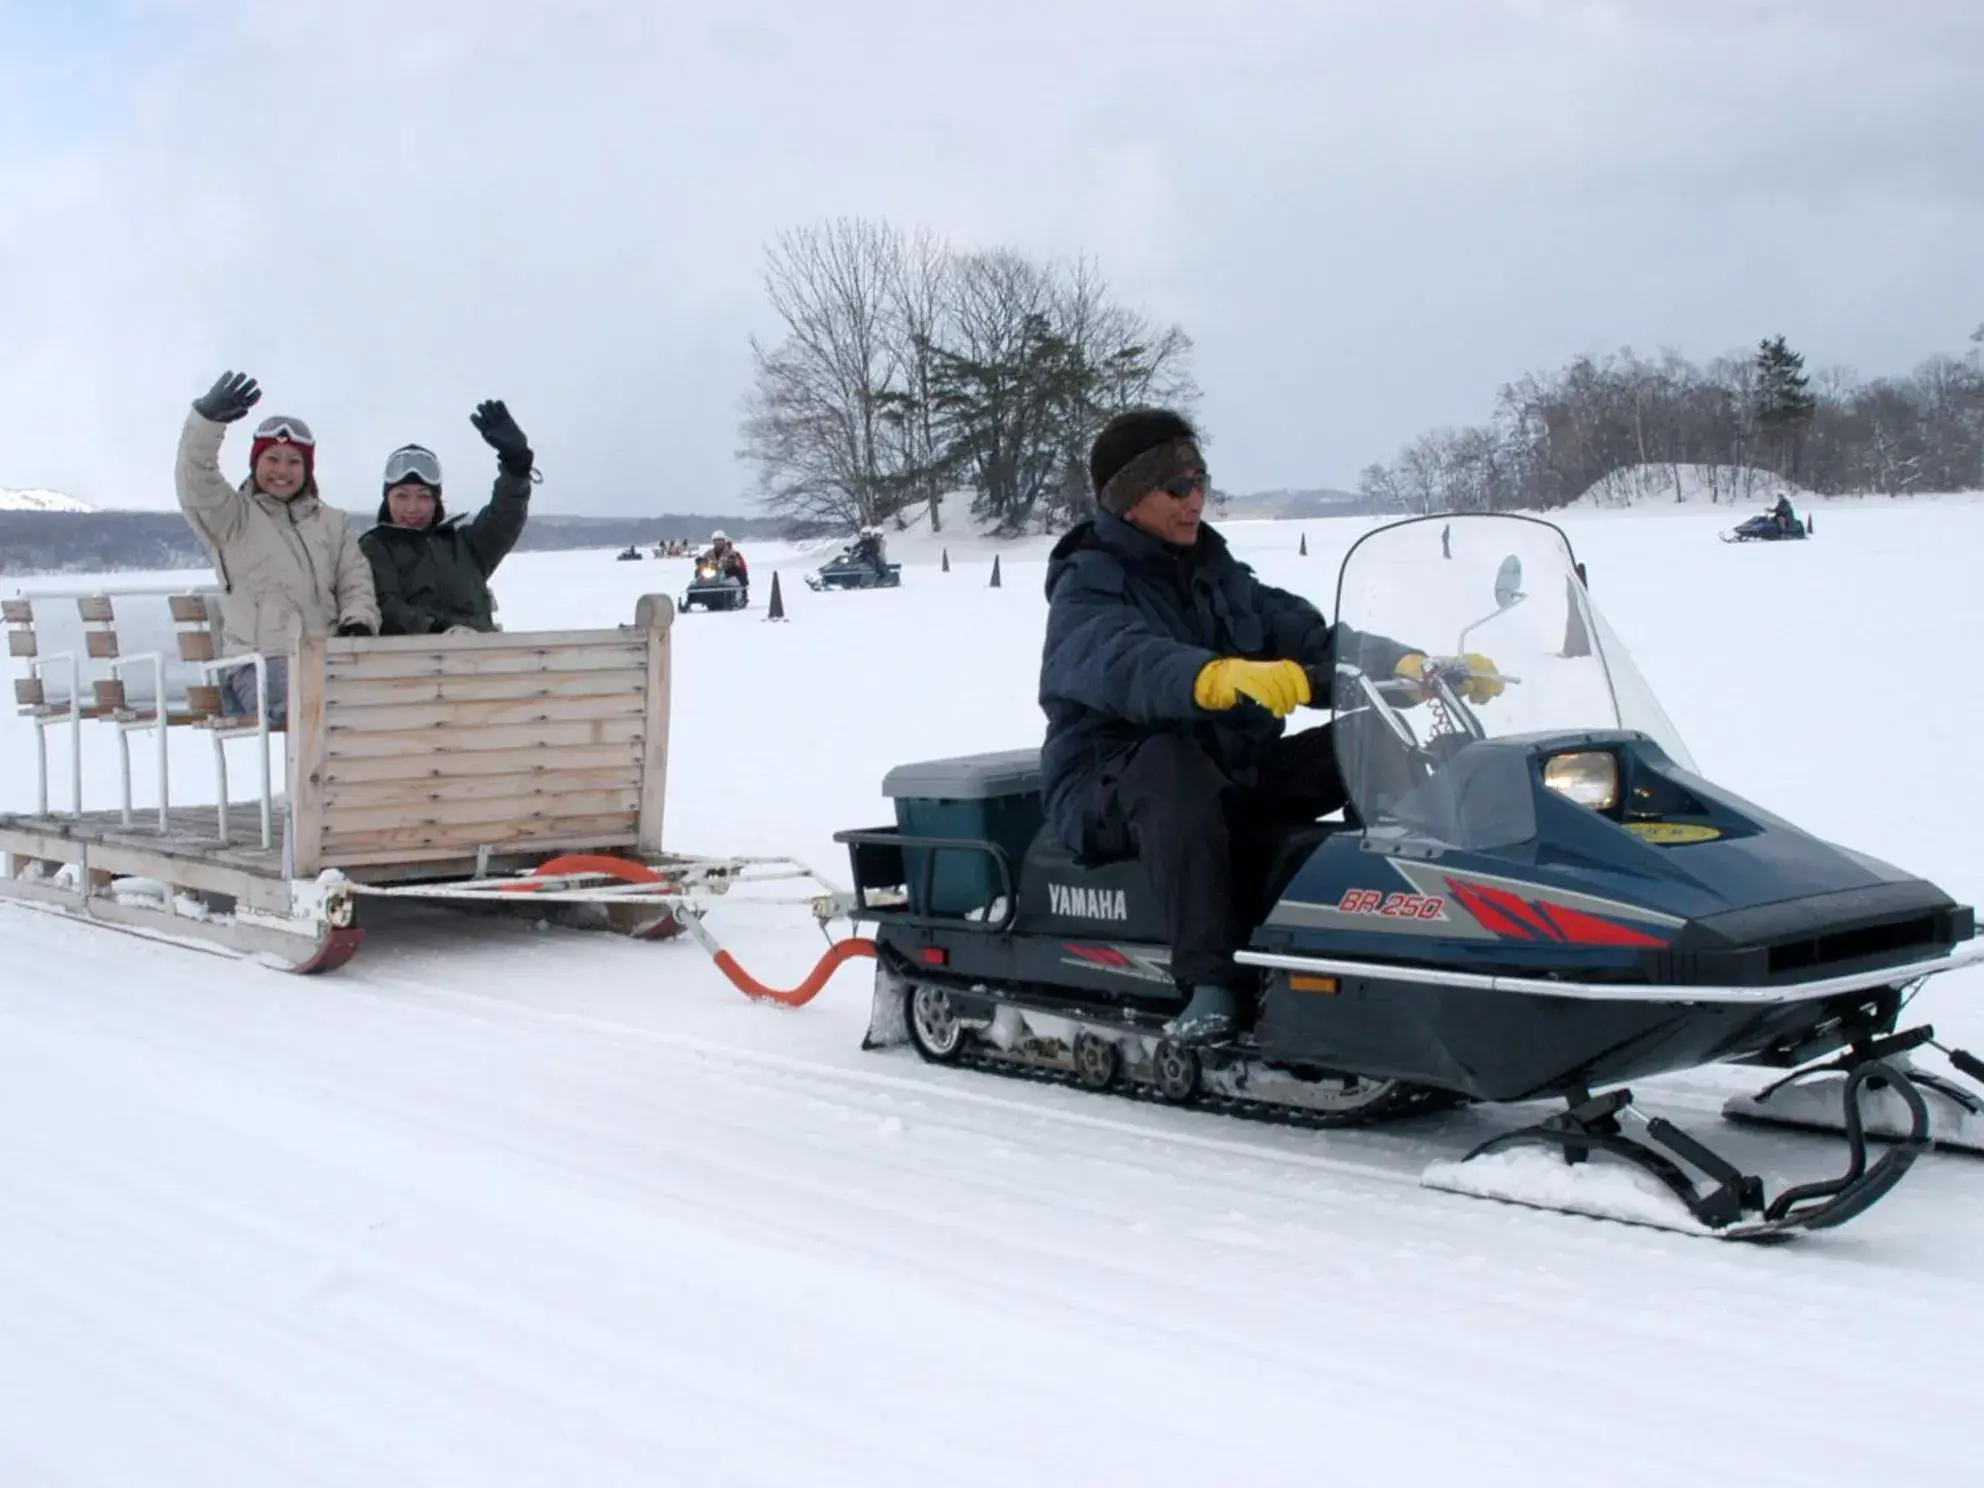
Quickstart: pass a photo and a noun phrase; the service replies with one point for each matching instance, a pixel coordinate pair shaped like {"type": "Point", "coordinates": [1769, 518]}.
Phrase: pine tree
{"type": "Point", "coordinates": [1784, 404]}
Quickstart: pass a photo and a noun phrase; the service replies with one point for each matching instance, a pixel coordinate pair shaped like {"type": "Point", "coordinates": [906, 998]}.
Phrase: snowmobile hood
{"type": "Point", "coordinates": [1711, 887]}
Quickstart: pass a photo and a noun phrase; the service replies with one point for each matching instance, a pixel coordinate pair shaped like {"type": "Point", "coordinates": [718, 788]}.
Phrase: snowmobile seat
{"type": "Point", "coordinates": [1062, 893]}
{"type": "Point", "coordinates": [1065, 893]}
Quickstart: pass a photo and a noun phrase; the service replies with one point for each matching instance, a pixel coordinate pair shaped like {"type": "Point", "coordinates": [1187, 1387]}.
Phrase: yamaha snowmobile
{"type": "Point", "coordinates": [853, 569]}
{"type": "Point", "coordinates": [1533, 899]}
{"type": "Point", "coordinates": [1766, 528]}
{"type": "Point", "coordinates": [713, 589]}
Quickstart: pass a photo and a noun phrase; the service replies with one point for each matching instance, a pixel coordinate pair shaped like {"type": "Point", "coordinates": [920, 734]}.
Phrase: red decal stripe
{"type": "Point", "coordinates": [1483, 910]}
{"type": "Point", "coordinates": [1101, 955]}
{"type": "Point", "coordinates": [1587, 929]}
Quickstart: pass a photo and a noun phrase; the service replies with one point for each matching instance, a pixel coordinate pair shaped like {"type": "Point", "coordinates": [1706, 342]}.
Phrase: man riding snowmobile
{"type": "Point", "coordinates": [726, 560]}
{"type": "Point", "coordinates": [1167, 671]}
{"type": "Point", "coordinates": [868, 549]}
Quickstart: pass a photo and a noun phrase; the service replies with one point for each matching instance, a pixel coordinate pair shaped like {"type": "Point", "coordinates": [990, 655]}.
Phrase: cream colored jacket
{"type": "Point", "coordinates": [289, 568]}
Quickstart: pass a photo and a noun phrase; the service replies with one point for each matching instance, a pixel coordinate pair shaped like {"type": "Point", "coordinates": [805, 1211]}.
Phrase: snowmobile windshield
{"type": "Point", "coordinates": [1514, 647]}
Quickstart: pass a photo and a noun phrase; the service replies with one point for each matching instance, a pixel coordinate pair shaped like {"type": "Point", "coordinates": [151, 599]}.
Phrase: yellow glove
{"type": "Point", "coordinates": [1478, 690]}
{"type": "Point", "coordinates": [1279, 686]}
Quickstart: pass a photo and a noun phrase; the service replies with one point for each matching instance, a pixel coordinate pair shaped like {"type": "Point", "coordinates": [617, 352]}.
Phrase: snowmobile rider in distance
{"type": "Point", "coordinates": [726, 560]}
{"type": "Point", "coordinates": [1781, 514]}
{"type": "Point", "coordinates": [868, 549]}
{"type": "Point", "coordinates": [1166, 675]}
{"type": "Point", "coordinates": [289, 564]}
{"type": "Point", "coordinates": [432, 571]}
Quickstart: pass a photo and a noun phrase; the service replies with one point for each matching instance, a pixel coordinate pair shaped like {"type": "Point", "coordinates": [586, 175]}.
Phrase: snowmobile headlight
{"type": "Point", "coordinates": [1589, 777]}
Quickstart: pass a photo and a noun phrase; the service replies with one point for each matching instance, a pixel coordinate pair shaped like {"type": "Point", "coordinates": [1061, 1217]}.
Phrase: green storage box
{"type": "Point", "coordinates": [989, 797]}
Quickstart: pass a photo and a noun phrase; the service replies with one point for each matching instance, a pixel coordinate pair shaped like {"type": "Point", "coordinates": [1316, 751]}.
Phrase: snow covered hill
{"type": "Point", "coordinates": [499, 1207]}
{"type": "Point", "coordinates": [51, 501]}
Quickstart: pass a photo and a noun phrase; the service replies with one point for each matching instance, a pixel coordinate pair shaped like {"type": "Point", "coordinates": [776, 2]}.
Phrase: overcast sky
{"type": "Point", "coordinates": [1368, 215]}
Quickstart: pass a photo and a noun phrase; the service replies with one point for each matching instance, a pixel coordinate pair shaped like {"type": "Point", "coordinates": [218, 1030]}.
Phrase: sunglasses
{"type": "Point", "coordinates": [1179, 487]}
{"type": "Point", "coordinates": [293, 430]}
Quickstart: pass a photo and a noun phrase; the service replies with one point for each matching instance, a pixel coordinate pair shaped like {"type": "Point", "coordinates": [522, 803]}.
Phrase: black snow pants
{"type": "Point", "coordinates": [1206, 841]}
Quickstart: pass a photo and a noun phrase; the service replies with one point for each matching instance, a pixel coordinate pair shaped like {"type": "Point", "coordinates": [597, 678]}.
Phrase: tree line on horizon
{"type": "Point", "coordinates": [1745, 419]}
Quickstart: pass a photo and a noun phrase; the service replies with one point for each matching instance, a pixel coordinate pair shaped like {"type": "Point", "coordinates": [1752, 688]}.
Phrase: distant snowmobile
{"type": "Point", "coordinates": [1779, 524]}
{"type": "Point", "coordinates": [862, 564]}
{"type": "Point", "coordinates": [722, 581]}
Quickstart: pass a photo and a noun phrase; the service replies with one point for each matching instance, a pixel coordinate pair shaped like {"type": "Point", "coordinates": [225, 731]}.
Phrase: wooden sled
{"type": "Point", "coordinates": [519, 770]}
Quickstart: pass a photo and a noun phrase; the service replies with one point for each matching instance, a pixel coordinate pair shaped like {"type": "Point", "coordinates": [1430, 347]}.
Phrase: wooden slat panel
{"type": "Point", "coordinates": [17, 611]}
{"type": "Point", "coordinates": [344, 647]}
{"type": "Point", "coordinates": [383, 860]}
{"type": "Point", "coordinates": [494, 819]}
{"type": "Point", "coordinates": [598, 656]}
{"type": "Point", "coordinates": [28, 692]}
{"type": "Point", "coordinates": [304, 758]}
{"type": "Point", "coordinates": [473, 763]}
{"type": "Point", "coordinates": [189, 608]}
{"type": "Point", "coordinates": [21, 643]}
{"type": "Point", "coordinates": [196, 645]}
{"type": "Point", "coordinates": [516, 687]}
{"type": "Point", "coordinates": [655, 614]}
{"type": "Point", "coordinates": [203, 698]}
{"type": "Point", "coordinates": [102, 644]}
{"type": "Point", "coordinates": [464, 718]}
{"type": "Point", "coordinates": [95, 608]}
{"type": "Point", "coordinates": [109, 693]}
{"type": "Point", "coordinates": [381, 844]}
{"type": "Point", "coordinates": [423, 743]}
{"type": "Point", "coordinates": [516, 795]}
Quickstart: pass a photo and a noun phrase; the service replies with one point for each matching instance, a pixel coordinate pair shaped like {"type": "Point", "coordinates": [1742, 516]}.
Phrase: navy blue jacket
{"type": "Point", "coordinates": [1130, 623]}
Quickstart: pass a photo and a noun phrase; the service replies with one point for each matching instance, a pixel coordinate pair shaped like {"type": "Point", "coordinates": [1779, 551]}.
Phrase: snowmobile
{"type": "Point", "coordinates": [853, 569]}
{"type": "Point", "coordinates": [1537, 898]}
{"type": "Point", "coordinates": [713, 589]}
{"type": "Point", "coordinates": [1765, 528]}
{"type": "Point", "coordinates": [629, 554]}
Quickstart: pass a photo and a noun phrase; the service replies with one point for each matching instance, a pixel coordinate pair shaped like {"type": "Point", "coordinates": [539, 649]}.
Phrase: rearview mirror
{"type": "Point", "coordinates": [1508, 582]}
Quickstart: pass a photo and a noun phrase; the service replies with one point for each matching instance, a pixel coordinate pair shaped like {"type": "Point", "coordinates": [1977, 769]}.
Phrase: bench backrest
{"type": "Point", "coordinates": [411, 750]}
{"type": "Point", "coordinates": [102, 626]}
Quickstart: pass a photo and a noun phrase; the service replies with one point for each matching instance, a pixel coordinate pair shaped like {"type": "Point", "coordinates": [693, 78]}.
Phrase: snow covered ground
{"type": "Point", "coordinates": [494, 1206]}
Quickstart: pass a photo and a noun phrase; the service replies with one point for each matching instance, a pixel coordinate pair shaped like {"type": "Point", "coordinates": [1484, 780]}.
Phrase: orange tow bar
{"type": "Point", "coordinates": [627, 870]}
{"type": "Point", "coordinates": [840, 952]}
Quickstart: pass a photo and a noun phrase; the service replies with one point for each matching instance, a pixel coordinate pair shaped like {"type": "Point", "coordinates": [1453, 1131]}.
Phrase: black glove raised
{"type": "Point", "coordinates": [356, 628]}
{"type": "Point", "coordinates": [493, 422]}
{"type": "Point", "coordinates": [232, 395]}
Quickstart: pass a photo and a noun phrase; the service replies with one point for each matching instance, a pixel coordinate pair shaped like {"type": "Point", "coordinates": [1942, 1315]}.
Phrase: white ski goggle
{"type": "Point", "coordinates": [283, 427]}
{"type": "Point", "coordinates": [413, 463]}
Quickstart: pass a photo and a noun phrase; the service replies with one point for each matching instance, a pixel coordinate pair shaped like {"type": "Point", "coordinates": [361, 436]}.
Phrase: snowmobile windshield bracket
{"type": "Point", "coordinates": [1376, 698]}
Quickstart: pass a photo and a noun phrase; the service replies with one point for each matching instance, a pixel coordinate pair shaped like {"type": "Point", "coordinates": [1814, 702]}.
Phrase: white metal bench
{"type": "Point", "coordinates": [135, 658]}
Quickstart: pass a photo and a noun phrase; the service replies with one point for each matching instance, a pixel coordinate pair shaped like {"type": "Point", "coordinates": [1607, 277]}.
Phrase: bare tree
{"type": "Point", "coordinates": [816, 423]}
{"type": "Point", "coordinates": [920, 292]}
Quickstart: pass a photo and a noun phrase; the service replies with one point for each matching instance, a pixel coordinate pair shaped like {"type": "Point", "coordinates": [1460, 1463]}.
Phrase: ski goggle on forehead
{"type": "Point", "coordinates": [292, 429]}
{"type": "Point", "coordinates": [413, 463]}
